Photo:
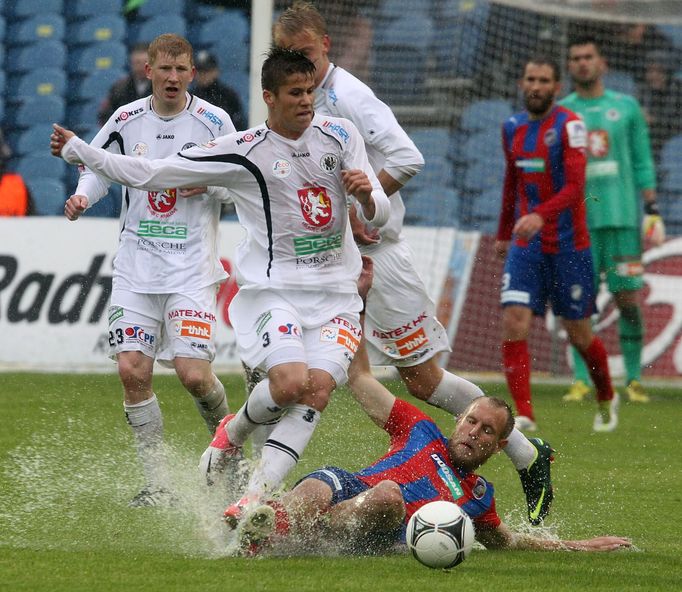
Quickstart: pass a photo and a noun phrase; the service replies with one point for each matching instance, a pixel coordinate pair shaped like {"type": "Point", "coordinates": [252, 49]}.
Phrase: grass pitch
{"type": "Point", "coordinates": [68, 469]}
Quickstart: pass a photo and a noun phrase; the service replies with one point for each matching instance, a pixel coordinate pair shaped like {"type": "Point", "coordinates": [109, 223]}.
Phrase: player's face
{"type": "Point", "coordinates": [477, 435]}
{"type": "Point", "coordinates": [170, 78]}
{"type": "Point", "coordinates": [539, 88]}
{"type": "Point", "coordinates": [585, 65]}
{"type": "Point", "coordinates": [290, 109]}
{"type": "Point", "coordinates": [312, 46]}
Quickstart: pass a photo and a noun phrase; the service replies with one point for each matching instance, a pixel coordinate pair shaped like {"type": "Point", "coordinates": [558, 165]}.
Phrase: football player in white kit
{"type": "Point", "coordinates": [166, 269]}
{"type": "Point", "coordinates": [297, 310]}
{"type": "Point", "coordinates": [400, 325]}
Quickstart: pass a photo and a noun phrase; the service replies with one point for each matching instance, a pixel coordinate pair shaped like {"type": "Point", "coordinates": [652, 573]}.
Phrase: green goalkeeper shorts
{"type": "Point", "coordinates": [617, 255]}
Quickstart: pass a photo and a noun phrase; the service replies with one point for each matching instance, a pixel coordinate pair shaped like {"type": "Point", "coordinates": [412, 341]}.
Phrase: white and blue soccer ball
{"type": "Point", "coordinates": [440, 535]}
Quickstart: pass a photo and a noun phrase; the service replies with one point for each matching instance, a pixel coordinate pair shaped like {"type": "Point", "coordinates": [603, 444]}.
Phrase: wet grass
{"type": "Point", "coordinates": [67, 470]}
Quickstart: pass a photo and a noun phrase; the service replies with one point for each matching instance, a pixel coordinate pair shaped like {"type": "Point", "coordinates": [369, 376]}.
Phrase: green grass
{"type": "Point", "coordinates": [67, 470]}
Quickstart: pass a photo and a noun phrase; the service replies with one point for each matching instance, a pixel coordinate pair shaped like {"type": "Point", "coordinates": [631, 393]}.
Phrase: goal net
{"type": "Point", "coordinates": [449, 70]}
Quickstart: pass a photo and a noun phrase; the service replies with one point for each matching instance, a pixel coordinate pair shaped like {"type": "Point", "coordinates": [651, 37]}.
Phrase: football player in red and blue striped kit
{"type": "Point", "coordinates": [366, 511]}
{"type": "Point", "coordinates": [543, 235]}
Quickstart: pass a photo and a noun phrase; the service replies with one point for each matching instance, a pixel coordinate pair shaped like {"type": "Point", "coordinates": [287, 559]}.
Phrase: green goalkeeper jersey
{"type": "Point", "coordinates": [619, 161]}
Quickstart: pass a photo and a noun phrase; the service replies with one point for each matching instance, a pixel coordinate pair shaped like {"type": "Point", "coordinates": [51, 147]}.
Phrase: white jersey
{"type": "Point", "coordinates": [388, 146]}
{"type": "Point", "coordinates": [167, 243]}
{"type": "Point", "coordinates": [288, 194]}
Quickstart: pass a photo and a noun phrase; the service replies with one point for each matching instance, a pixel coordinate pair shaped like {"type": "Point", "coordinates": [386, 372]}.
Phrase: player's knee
{"type": "Point", "coordinates": [318, 400]}
{"type": "Point", "coordinates": [196, 380]}
{"type": "Point", "coordinates": [288, 387]}
{"type": "Point", "coordinates": [134, 372]}
{"type": "Point", "coordinates": [388, 497]}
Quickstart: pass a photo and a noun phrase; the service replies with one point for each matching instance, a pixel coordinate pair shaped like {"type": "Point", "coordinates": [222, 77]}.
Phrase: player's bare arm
{"type": "Point", "coordinates": [502, 538]}
{"type": "Point", "coordinates": [366, 277]}
{"type": "Point", "coordinates": [388, 183]}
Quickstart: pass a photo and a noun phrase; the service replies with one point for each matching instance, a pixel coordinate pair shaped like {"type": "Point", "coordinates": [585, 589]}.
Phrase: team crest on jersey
{"type": "Point", "coordinates": [140, 149]}
{"type": "Point", "coordinates": [613, 115]}
{"type": "Point", "coordinates": [188, 145]}
{"type": "Point", "coordinates": [550, 137]}
{"type": "Point", "coordinates": [281, 168]}
{"type": "Point", "coordinates": [479, 489]}
{"type": "Point", "coordinates": [598, 142]}
{"type": "Point", "coordinates": [329, 162]}
{"type": "Point", "coordinates": [162, 203]}
{"type": "Point", "coordinates": [315, 206]}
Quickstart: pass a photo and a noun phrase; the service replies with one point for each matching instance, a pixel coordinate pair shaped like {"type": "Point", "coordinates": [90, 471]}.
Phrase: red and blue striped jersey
{"type": "Point", "coordinates": [545, 174]}
{"type": "Point", "coordinates": [419, 463]}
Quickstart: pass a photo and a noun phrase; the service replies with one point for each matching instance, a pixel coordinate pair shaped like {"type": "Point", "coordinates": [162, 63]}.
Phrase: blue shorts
{"type": "Point", "coordinates": [345, 486]}
{"type": "Point", "coordinates": [566, 280]}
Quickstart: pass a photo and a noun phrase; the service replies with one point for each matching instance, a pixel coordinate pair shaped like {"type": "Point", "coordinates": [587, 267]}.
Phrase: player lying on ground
{"type": "Point", "coordinates": [369, 509]}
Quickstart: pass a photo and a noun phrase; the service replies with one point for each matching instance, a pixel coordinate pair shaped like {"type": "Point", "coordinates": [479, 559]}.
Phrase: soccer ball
{"type": "Point", "coordinates": [440, 535]}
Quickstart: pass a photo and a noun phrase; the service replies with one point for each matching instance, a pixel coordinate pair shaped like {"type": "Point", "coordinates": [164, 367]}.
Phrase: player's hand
{"type": "Point", "coordinates": [366, 277]}
{"type": "Point", "coordinates": [357, 184]}
{"type": "Point", "coordinates": [502, 248]}
{"type": "Point", "coordinates": [528, 226]}
{"type": "Point", "coordinates": [363, 234]}
{"type": "Point", "coordinates": [60, 136]}
{"type": "Point", "coordinates": [191, 192]}
{"type": "Point", "coordinates": [653, 229]}
{"type": "Point", "coordinates": [75, 206]}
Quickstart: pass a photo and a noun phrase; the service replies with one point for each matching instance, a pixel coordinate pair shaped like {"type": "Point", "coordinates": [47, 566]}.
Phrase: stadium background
{"type": "Point", "coordinates": [447, 67]}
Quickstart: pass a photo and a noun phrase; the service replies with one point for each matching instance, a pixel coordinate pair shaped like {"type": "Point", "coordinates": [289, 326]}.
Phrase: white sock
{"type": "Point", "coordinates": [283, 449]}
{"type": "Point", "coordinates": [454, 393]}
{"type": "Point", "coordinates": [519, 450]}
{"type": "Point", "coordinates": [258, 438]}
{"type": "Point", "coordinates": [213, 406]}
{"type": "Point", "coordinates": [259, 408]}
{"type": "Point", "coordinates": [147, 424]}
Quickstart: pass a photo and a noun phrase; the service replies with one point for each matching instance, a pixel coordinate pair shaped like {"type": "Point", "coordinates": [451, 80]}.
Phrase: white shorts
{"type": "Point", "coordinates": [270, 331]}
{"type": "Point", "coordinates": [401, 327]}
{"type": "Point", "coordinates": [164, 326]}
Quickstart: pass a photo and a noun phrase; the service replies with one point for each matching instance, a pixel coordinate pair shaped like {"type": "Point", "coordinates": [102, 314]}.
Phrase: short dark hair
{"type": "Point", "coordinates": [584, 40]}
{"type": "Point", "coordinates": [544, 60]}
{"type": "Point", "coordinates": [281, 63]}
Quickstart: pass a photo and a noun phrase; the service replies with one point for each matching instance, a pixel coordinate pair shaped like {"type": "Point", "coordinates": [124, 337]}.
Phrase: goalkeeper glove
{"type": "Point", "coordinates": [653, 228]}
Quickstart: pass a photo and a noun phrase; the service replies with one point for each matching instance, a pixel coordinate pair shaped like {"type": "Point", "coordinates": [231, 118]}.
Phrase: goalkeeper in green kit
{"type": "Point", "coordinates": [620, 168]}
